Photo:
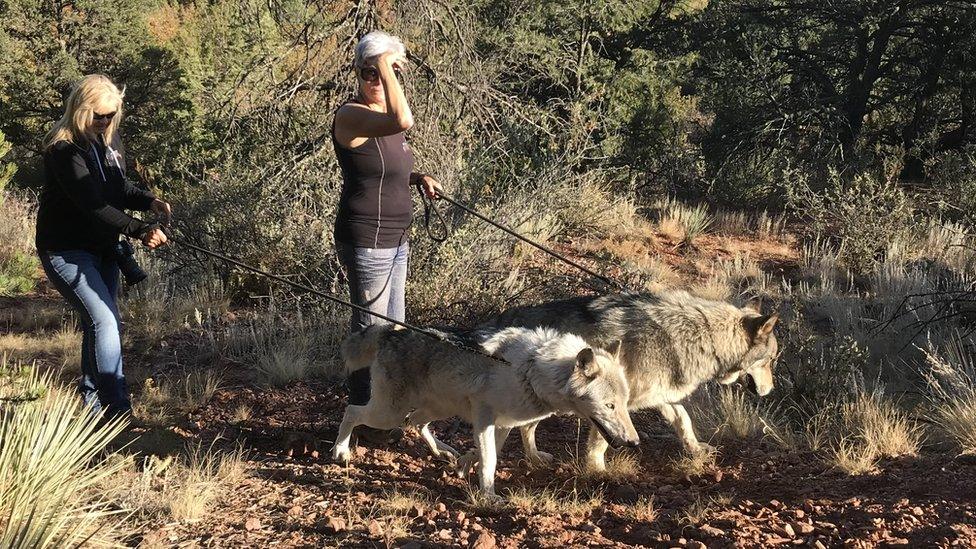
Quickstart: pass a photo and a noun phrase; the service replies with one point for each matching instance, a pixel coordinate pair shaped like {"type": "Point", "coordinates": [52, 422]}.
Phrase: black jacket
{"type": "Point", "coordinates": [85, 191]}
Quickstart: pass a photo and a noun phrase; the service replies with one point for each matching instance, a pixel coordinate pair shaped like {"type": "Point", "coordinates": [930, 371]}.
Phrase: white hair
{"type": "Point", "coordinates": [376, 43]}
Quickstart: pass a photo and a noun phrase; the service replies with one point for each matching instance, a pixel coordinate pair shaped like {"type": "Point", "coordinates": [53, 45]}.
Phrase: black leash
{"type": "Point", "coordinates": [608, 281]}
{"type": "Point", "coordinates": [433, 335]}
{"type": "Point", "coordinates": [429, 206]}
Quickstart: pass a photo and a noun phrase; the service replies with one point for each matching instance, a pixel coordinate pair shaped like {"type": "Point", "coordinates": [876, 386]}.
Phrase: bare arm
{"type": "Point", "coordinates": [356, 123]}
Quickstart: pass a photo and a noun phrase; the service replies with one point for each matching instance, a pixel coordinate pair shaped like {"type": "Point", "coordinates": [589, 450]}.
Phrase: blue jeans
{"type": "Point", "coordinates": [377, 280]}
{"type": "Point", "coordinates": [90, 283]}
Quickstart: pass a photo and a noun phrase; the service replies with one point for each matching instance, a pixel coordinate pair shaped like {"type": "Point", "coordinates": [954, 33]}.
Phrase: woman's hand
{"type": "Point", "coordinates": [163, 212]}
{"type": "Point", "coordinates": [154, 238]}
{"type": "Point", "coordinates": [395, 60]}
{"type": "Point", "coordinates": [430, 186]}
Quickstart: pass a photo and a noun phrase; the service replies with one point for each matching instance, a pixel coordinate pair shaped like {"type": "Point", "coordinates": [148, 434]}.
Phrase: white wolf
{"type": "Point", "coordinates": [417, 379]}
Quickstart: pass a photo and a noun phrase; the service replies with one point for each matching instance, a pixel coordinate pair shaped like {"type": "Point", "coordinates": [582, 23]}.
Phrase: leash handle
{"type": "Point", "coordinates": [429, 206]}
{"type": "Point", "coordinates": [608, 281]}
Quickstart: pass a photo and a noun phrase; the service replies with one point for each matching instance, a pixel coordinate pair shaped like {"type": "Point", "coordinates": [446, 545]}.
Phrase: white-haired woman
{"type": "Point", "coordinates": [375, 209]}
{"type": "Point", "coordinates": [79, 220]}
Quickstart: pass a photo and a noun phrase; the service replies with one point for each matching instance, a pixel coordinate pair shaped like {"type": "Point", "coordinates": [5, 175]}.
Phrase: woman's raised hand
{"type": "Point", "coordinates": [394, 59]}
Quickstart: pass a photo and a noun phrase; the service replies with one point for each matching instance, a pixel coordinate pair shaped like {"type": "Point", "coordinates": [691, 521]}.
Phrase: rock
{"type": "Point", "coordinates": [417, 510]}
{"type": "Point", "coordinates": [441, 508]}
{"type": "Point", "coordinates": [817, 544]}
{"type": "Point", "coordinates": [808, 505]}
{"type": "Point", "coordinates": [444, 534]}
{"type": "Point", "coordinates": [775, 504]}
{"type": "Point", "coordinates": [799, 513]}
{"type": "Point", "coordinates": [718, 475]}
{"type": "Point", "coordinates": [295, 511]}
{"type": "Point", "coordinates": [460, 517]}
{"type": "Point", "coordinates": [335, 524]}
{"type": "Point", "coordinates": [253, 523]}
{"type": "Point", "coordinates": [917, 511]}
{"type": "Point", "coordinates": [695, 544]}
{"type": "Point", "coordinates": [483, 540]}
{"type": "Point", "coordinates": [788, 530]}
{"type": "Point", "coordinates": [711, 531]}
{"type": "Point", "coordinates": [360, 451]}
{"type": "Point", "coordinates": [804, 528]}
{"type": "Point", "coordinates": [375, 528]}
{"type": "Point", "coordinates": [625, 493]}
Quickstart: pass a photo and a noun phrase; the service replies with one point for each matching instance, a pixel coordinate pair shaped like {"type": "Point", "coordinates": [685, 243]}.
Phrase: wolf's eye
{"type": "Point", "coordinates": [611, 405]}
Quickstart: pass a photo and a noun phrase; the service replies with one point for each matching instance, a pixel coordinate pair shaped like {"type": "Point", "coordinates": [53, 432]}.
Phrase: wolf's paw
{"type": "Point", "coordinates": [340, 455]}
{"type": "Point", "coordinates": [540, 459]}
{"type": "Point", "coordinates": [464, 464]}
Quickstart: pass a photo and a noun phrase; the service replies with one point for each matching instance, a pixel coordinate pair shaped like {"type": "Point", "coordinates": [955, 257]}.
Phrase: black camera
{"type": "Point", "coordinates": [132, 273]}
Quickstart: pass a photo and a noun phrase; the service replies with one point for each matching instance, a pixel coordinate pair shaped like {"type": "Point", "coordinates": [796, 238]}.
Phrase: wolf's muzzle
{"type": "Point", "coordinates": [750, 383]}
{"type": "Point", "coordinates": [615, 442]}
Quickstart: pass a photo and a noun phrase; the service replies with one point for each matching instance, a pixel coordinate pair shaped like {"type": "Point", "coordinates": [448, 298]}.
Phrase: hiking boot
{"type": "Point", "coordinates": [377, 437]}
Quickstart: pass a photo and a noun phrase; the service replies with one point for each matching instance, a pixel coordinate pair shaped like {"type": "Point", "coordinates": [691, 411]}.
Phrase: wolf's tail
{"type": "Point", "coordinates": [359, 348]}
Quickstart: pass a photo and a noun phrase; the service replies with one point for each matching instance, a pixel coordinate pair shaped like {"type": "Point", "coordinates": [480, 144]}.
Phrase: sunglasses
{"type": "Point", "coordinates": [106, 116]}
{"type": "Point", "coordinates": [372, 74]}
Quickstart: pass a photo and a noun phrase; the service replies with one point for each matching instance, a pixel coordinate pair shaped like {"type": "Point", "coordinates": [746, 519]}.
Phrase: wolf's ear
{"type": "Point", "coordinates": [586, 363]}
{"type": "Point", "coordinates": [759, 326]}
{"type": "Point", "coordinates": [614, 349]}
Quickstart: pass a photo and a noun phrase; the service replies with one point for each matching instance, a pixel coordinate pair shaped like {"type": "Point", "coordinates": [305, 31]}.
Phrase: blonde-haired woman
{"type": "Point", "coordinates": [79, 220]}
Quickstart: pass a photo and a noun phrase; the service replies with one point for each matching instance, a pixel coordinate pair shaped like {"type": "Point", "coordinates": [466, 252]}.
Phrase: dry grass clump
{"type": "Point", "coordinates": [62, 347]}
{"type": "Point", "coordinates": [397, 502]}
{"type": "Point", "coordinates": [621, 466]}
{"type": "Point", "coordinates": [951, 383]}
{"type": "Point", "coordinates": [695, 464]}
{"type": "Point", "coordinates": [549, 501]}
{"type": "Point", "coordinates": [51, 465]}
{"type": "Point", "coordinates": [281, 354]}
{"type": "Point", "coordinates": [740, 223]}
{"type": "Point", "coordinates": [35, 316]}
{"type": "Point", "coordinates": [643, 510]}
{"type": "Point", "coordinates": [867, 428]}
{"type": "Point", "coordinates": [160, 403]}
{"type": "Point", "coordinates": [682, 223]}
{"type": "Point", "coordinates": [177, 489]}
{"type": "Point", "coordinates": [730, 414]}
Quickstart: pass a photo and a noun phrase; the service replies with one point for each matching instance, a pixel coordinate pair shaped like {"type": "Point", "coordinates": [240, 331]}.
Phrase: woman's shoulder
{"type": "Point", "coordinates": [63, 150]}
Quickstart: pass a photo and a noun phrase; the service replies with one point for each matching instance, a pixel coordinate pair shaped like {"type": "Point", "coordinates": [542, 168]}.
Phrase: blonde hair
{"type": "Point", "coordinates": [79, 110]}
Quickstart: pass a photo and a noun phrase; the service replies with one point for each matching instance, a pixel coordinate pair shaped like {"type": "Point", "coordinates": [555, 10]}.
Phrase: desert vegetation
{"type": "Point", "coordinates": [819, 157]}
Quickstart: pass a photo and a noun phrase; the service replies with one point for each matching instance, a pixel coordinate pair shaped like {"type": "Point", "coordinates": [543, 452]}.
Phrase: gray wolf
{"type": "Point", "coordinates": [416, 379]}
{"type": "Point", "coordinates": [672, 342]}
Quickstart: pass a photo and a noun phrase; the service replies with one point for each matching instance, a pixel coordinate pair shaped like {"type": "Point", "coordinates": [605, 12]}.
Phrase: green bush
{"type": "Point", "coordinates": [18, 274]}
